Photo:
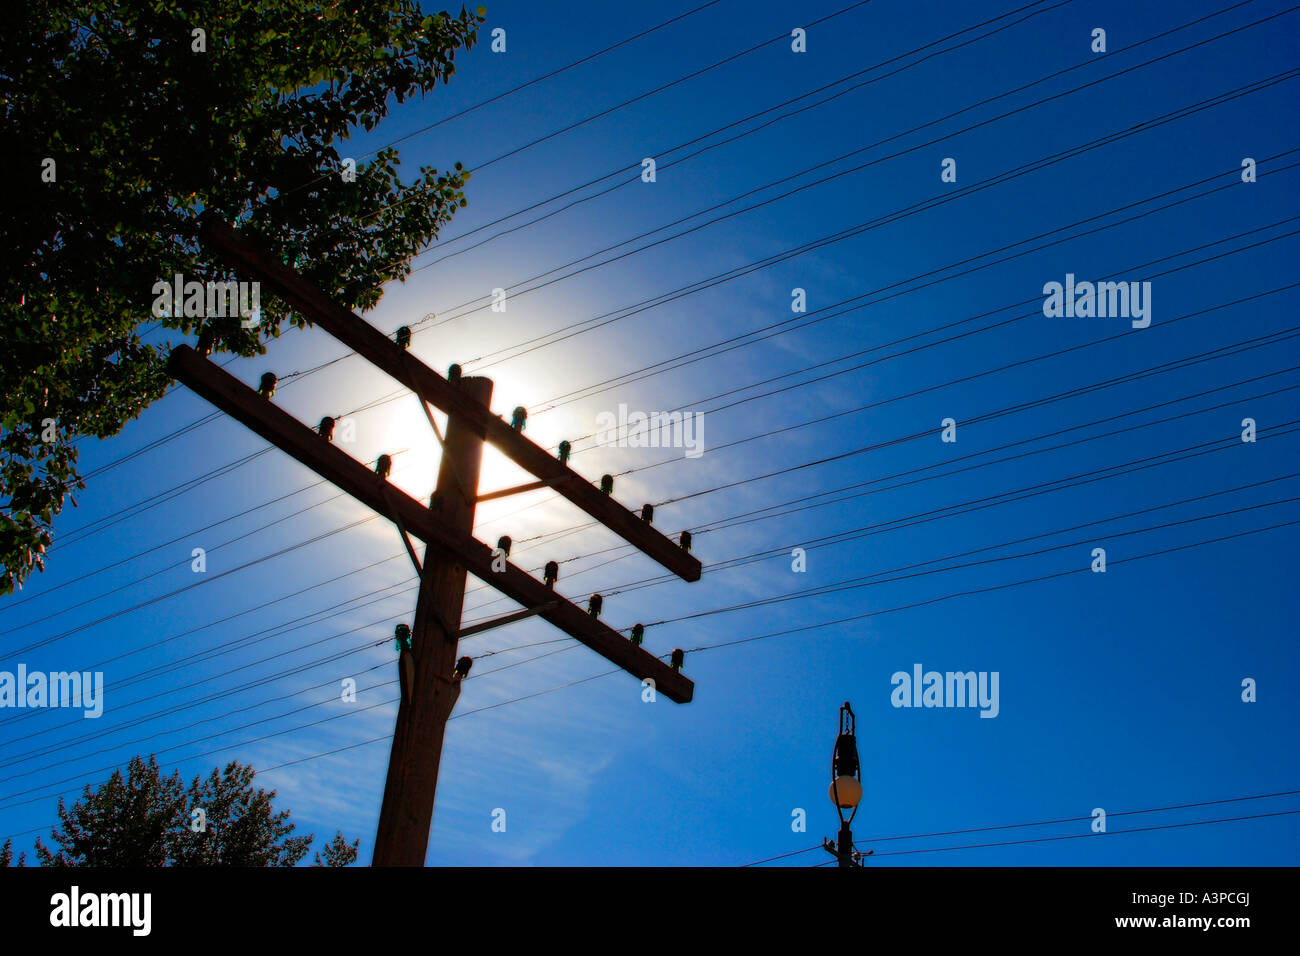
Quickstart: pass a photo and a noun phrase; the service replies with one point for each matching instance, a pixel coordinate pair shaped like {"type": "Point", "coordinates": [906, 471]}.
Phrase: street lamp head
{"type": "Point", "coordinates": [845, 792]}
{"type": "Point", "coordinates": [846, 778]}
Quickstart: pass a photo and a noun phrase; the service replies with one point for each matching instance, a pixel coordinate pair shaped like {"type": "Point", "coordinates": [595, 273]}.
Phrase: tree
{"type": "Point", "coordinates": [129, 119]}
{"type": "Point", "coordinates": [146, 819]}
{"type": "Point", "coordinates": [339, 852]}
{"type": "Point", "coordinates": [7, 855]}
{"type": "Point", "coordinates": [239, 826]}
{"type": "Point", "coordinates": [126, 822]}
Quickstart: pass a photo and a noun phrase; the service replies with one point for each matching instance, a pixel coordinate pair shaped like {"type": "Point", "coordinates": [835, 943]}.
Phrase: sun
{"type": "Point", "coordinates": [417, 454]}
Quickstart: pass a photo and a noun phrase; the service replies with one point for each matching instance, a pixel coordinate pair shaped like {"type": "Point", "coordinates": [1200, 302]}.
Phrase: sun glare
{"type": "Point", "coordinates": [416, 455]}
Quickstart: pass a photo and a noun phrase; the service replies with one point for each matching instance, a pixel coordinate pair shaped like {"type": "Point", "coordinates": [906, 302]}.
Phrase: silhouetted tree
{"type": "Point", "coordinates": [128, 821]}
{"type": "Point", "coordinates": [124, 121]}
{"type": "Point", "coordinates": [239, 825]}
{"type": "Point", "coordinates": [339, 852]}
{"type": "Point", "coordinates": [146, 819]}
{"type": "Point", "coordinates": [7, 855]}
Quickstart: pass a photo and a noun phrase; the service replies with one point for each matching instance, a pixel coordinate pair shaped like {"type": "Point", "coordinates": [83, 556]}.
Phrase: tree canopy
{"type": "Point", "coordinates": [128, 120]}
{"type": "Point", "coordinates": [143, 819]}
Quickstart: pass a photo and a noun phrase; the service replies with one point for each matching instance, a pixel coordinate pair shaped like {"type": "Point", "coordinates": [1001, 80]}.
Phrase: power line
{"type": "Point", "coordinates": [477, 167]}
{"type": "Point", "coordinates": [6, 805]}
{"type": "Point", "coordinates": [145, 504]}
{"type": "Point", "coordinates": [965, 507]}
{"type": "Point", "coordinates": [862, 581]}
{"type": "Point", "coordinates": [212, 698]}
{"type": "Point", "coordinates": [189, 587]}
{"type": "Point", "coordinates": [991, 501]}
{"type": "Point", "coordinates": [918, 348]}
{"type": "Point", "coordinates": [816, 316]}
{"type": "Point", "coordinates": [311, 665]}
{"type": "Point", "coordinates": [1003, 368]}
{"type": "Point", "coordinates": [1178, 363]}
{"type": "Point", "coordinates": [1170, 550]}
{"type": "Point", "coordinates": [821, 315]}
{"type": "Point", "coordinates": [223, 648]}
{"type": "Point", "coordinates": [702, 284]}
{"type": "Point", "coordinates": [798, 595]}
{"type": "Point", "coordinates": [207, 681]}
{"type": "Point", "coordinates": [1223, 351]}
{"type": "Point", "coordinates": [990, 588]}
{"type": "Point", "coordinates": [158, 442]}
{"type": "Point", "coordinates": [354, 746]}
{"type": "Point", "coordinates": [813, 317]}
{"type": "Point", "coordinates": [1039, 823]}
{"type": "Point", "coordinates": [1140, 464]}
{"type": "Point", "coordinates": [1212, 38]}
{"type": "Point", "coordinates": [586, 325]}
{"type": "Point", "coordinates": [722, 524]}
{"type": "Point", "coordinates": [65, 608]}
{"type": "Point", "coordinates": [946, 196]}
{"type": "Point", "coordinates": [1076, 836]}
{"type": "Point", "coordinates": [158, 547]}
{"type": "Point", "coordinates": [783, 856]}
{"type": "Point", "coordinates": [803, 322]}
{"type": "Point", "coordinates": [1089, 818]}
{"type": "Point", "coordinates": [672, 149]}
{"type": "Point", "coordinates": [523, 86]}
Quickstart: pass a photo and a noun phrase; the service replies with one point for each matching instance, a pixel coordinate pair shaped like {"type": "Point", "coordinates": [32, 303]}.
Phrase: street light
{"type": "Point", "coordinates": [845, 793]}
{"type": "Point", "coordinates": [846, 788]}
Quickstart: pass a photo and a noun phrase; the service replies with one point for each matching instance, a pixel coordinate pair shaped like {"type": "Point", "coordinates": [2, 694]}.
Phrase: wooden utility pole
{"type": "Point", "coordinates": [407, 811]}
{"type": "Point", "coordinates": [445, 525]}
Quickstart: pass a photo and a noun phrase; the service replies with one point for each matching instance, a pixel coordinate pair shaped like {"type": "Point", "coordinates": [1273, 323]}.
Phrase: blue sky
{"type": "Point", "coordinates": [1120, 691]}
